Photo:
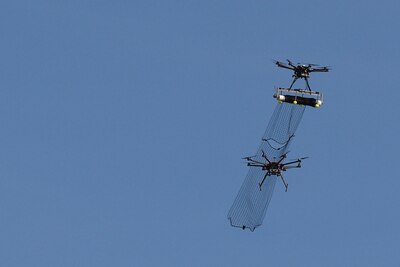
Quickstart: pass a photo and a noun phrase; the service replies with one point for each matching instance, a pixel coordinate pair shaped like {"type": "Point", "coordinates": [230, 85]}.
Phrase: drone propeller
{"type": "Point", "coordinates": [285, 168]}
{"type": "Point", "coordinates": [321, 69]}
{"type": "Point", "coordinates": [289, 66]}
{"type": "Point", "coordinates": [295, 161]}
{"type": "Point", "coordinates": [265, 156]}
{"type": "Point", "coordinates": [290, 62]}
{"type": "Point", "coordinates": [277, 61]}
{"type": "Point", "coordinates": [283, 156]}
{"type": "Point", "coordinates": [252, 162]}
{"type": "Point", "coordinates": [307, 64]}
{"type": "Point", "coordinates": [299, 159]}
{"type": "Point", "coordinates": [325, 67]}
{"type": "Point", "coordinates": [248, 158]}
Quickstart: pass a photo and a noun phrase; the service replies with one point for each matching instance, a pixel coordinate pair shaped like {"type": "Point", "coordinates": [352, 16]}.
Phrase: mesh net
{"type": "Point", "coordinates": [250, 205]}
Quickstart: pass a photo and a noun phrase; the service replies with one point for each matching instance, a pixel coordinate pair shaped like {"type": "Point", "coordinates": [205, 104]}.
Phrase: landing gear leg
{"type": "Point", "coordinates": [263, 180]}
{"type": "Point", "coordinates": [283, 180]}
{"type": "Point", "coordinates": [294, 80]}
{"type": "Point", "coordinates": [308, 85]}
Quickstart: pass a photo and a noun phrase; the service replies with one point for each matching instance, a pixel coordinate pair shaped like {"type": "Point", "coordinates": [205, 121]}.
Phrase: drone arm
{"type": "Point", "coordinates": [265, 156]}
{"type": "Point", "coordinates": [290, 63]}
{"type": "Point", "coordinates": [292, 162]}
{"type": "Point", "coordinates": [283, 157]}
{"type": "Point", "coordinates": [255, 165]}
{"type": "Point", "coordinates": [291, 167]}
{"type": "Point", "coordinates": [282, 65]}
{"type": "Point", "coordinates": [323, 69]}
{"type": "Point", "coordinates": [250, 160]}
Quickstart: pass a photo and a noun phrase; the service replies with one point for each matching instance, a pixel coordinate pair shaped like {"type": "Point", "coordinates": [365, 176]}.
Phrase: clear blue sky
{"type": "Point", "coordinates": [123, 124]}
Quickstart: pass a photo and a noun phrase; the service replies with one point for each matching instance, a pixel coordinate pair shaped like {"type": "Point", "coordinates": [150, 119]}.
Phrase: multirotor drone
{"type": "Point", "coordinates": [301, 70]}
{"type": "Point", "coordinates": [272, 167]}
{"type": "Point", "coordinates": [300, 96]}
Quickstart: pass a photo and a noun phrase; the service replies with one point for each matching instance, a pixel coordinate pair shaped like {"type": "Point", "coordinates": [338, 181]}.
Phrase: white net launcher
{"type": "Point", "coordinates": [299, 97]}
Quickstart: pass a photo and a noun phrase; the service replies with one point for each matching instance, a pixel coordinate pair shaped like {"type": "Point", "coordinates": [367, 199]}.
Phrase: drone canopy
{"type": "Point", "coordinates": [250, 205]}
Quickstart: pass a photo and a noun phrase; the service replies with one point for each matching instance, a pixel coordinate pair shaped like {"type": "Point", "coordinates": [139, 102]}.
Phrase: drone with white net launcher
{"type": "Point", "coordinates": [272, 167]}
{"type": "Point", "coordinates": [300, 96]}
{"type": "Point", "coordinates": [301, 70]}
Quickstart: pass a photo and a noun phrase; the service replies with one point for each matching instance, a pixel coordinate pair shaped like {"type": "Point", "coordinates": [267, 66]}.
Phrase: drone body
{"type": "Point", "coordinates": [301, 71]}
{"type": "Point", "coordinates": [300, 96]}
{"type": "Point", "coordinates": [273, 167]}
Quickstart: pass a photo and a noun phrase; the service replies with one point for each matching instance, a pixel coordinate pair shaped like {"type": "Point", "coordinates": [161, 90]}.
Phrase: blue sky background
{"type": "Point", "coordinates": [123, 124]}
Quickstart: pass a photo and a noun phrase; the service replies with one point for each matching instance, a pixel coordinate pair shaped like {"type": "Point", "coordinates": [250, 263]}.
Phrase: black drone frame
{"type": "Point", "coordinates": [274, 168]}
{"type": "Point", "coordinates": [301, 71]}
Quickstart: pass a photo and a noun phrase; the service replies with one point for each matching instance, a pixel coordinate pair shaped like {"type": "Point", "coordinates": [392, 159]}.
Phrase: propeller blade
{"type": "Point", "coordinates": [265, 156]}
{"type": "Point", "coordinates": [284, 155]}
{"type": "Point", "coordinates": [307, 64]}
{"type": "Point", "coordinates": [290, 63]}
{"type": "Point", "coordinates": [291, 162]}
{"type": "Point", "coordinates": [320, 69]}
